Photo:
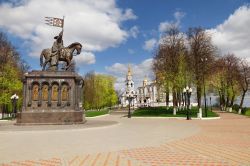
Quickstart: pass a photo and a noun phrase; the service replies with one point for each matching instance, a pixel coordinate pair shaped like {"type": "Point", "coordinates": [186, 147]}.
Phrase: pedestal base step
{"type": "Point", "coordinates": [48, 118]}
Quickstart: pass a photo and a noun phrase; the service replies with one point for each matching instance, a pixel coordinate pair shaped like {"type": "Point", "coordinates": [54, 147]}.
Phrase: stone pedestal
{"type": "Point", "coordinates": [52, 97]}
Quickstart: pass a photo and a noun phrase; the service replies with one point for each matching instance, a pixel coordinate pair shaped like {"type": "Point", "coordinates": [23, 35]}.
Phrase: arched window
{"type": "Point", "coordinates": [35, 91]}
{"type": "Point", "coordinates": [54, 95]}
{"type": "Point", "coordinates": [45, 91]}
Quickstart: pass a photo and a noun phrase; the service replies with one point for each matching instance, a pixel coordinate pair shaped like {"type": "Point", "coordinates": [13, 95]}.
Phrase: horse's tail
{"type": "Point", "coordinates": [41, 58]}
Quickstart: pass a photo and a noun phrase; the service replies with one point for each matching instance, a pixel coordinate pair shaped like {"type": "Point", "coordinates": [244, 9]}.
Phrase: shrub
{"type": "Point", "coordinates": [244, 110]}
{"type": "Point", "coordinates": [247, 112]}
{"type": "Point", "coordinates": [236, 107]}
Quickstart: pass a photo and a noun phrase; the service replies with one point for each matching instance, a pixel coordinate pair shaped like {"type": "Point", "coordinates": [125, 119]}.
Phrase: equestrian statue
{"type": "Point", "coordinates": [59, 53]}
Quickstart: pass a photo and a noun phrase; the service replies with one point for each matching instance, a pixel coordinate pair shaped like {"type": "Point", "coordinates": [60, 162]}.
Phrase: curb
{"type": "Point", "coordinates": [179, 118]}
{"type": "Point", "coordinates": [212, 118]}
{"type": "Point", "coordinates": [5, 120]}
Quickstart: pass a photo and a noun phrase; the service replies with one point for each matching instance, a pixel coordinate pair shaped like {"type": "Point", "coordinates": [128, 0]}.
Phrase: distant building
{"type": "Point", "coordinates": [150, 94]}
{"type": "Point", "coordinates": [129, 84]}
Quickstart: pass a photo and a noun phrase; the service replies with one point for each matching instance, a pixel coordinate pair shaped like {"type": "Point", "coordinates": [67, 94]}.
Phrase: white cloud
{"type": "Point", "coordinates": [164, 26]}
{"type": "Point", "coordinates": [233, 35]}
{"type": "Point", "coordinates": [134, 31]}
{"type": "Point", "coordinates": [139, 71]}
{"type": "Point", "coordinates": [94, 23]}
{"type": "Point", "coordinates": [129, 15]}
{"type": "Point", "coordinates": [85, 58]}
{"type": "Point", "coordinates": [131, 51]}
{"type": "Point", "coordinates": [149, 44]}
{"type": "Point", "coordinates": [178, 15]}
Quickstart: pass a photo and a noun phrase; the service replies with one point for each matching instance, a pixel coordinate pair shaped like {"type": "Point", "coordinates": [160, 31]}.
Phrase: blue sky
{"type": "Point", "coordinates": [207, 14]}
{"type": "Point", "coordinates": [110, 50]}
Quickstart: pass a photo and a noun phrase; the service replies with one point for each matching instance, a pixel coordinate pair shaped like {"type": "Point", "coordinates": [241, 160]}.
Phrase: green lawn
{"type": "Point", "coordinates": [245, 110]}
{"type": "Point", "coordinates": [164, 112]}
{"type": "Point", "coordinates": [247, 113]}
{"type": "Point", "coordinates": [95, 113]}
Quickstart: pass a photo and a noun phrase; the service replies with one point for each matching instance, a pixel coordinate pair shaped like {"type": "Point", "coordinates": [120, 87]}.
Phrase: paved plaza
{"type": "Point", "coordinates": [117, 141]}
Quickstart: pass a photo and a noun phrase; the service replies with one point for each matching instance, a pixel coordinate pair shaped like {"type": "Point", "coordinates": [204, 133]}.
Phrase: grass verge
{"type": "Point", "coordinates": [164, 112]}
{"type": "Point", "coordinates": [95, 113]}
{"type": "Point", "coordinates": [247, 113]}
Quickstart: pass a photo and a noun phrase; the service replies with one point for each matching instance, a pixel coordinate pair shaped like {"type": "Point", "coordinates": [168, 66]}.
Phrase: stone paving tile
{"type": "Point", "coordinates": [42, 162]}
{"type": "Point", "coordinates": [220, 143]}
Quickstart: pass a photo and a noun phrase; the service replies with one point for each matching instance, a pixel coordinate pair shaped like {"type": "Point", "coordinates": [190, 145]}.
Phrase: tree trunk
{"type": "Point", "coordinates": [174, 98]}
{"type": "Point", "coordinates": [220, 98]}
{"type": "Point", "coordinates": [199, 96]}
{"type": "Point", "coordinates": [179, 98]}
{"type": "Point", "coordinates": [167, 96]}
{"type": "Point", "coordinates": [223, 101]}
{"type": "Point", "coordinates": [2, 111]}
{"type": "Point", "coordinates": [232, 100]}
{"type": "Point", "coordinates": [242, 98]}
{"type": "Point", "coordinates": [227, 101]}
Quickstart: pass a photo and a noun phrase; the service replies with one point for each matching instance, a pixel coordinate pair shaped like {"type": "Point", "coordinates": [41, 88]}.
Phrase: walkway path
{"type": "Point", "coordinates": [133, 142]}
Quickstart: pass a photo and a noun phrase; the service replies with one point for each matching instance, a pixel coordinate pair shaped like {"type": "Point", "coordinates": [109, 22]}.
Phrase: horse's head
{"type": "Point", "coordinates": [79, 48]}
{"type": "Point", "coordinates": [76, 46]}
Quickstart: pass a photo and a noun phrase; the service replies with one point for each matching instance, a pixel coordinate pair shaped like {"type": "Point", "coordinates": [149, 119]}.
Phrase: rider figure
{"type": "Point", "coordinates": [57, 46]}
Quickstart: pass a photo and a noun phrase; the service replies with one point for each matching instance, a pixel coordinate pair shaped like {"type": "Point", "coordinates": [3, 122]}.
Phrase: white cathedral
{"type": "Point", "coordinates": [149, 94]}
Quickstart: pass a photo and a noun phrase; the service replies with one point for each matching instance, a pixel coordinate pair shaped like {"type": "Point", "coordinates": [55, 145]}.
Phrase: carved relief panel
{"type": "Point", "coordinates": [54, 95]}
{"type": "Point", "coordinates": [65, 92]}
{"type": "Point", "coordinates": [35, 92]}
{"type": "Point", "coordinates": [45, 91]}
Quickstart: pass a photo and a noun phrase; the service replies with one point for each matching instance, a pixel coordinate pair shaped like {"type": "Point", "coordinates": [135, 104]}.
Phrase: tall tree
{"type": "Point", "coordinates": [202, 55]}
{"type": "Point", "coordinates": [99, 91]}
{"type": "Point", "coordinates": [169, 64]}
{"type": "Point", "coordinates": [218, 80]}
{"type": "Point", "coordinates": [232, 72]}
{"type": "Point", "coordinates": [243, 80]}
{"type": "Point", "coordinates": [12, 67]}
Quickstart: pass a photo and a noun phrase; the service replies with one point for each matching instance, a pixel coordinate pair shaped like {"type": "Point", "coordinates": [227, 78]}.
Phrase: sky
{"type": "Point", "coordinates": [115, 33]}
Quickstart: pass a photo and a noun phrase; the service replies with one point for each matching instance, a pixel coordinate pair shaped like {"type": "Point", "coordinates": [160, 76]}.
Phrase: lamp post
{"type": "Point", "coordinates": [204, 87]}
{"type": "Point", "coordinates": [187, 93]}
{"type": "Point", "coordinates": [14, 99]}
{"type": "Point", "coordinates": [130, 96]}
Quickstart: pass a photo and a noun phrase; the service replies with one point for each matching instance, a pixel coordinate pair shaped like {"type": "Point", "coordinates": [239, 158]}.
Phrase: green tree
{"type": "Point", "coordinates": [12, 68]}
{"type": "Point", "coordinates": [170, 64]}
{"type": "Point", "coordinates": [202, 56]}
{"type": "Point", "coordinates": [99, 91]}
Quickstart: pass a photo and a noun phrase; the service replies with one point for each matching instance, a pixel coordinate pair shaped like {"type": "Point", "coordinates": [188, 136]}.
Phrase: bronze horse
{"type": "Point", "coordinates": [66, 54]}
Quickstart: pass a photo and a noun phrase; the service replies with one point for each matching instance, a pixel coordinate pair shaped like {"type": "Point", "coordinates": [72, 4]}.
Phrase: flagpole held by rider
{"type": "Point", "coordinates": [58, 43]}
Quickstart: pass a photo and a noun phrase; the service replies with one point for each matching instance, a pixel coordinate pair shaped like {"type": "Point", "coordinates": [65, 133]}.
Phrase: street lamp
{"type": "Point", "coordinates": [14, 99]}
{"type": "Point", "coordinates": [130, 96]}
{"type": "Point", "coordinates": [187, 93]}
{"type": "Point", "coordinates": [204, 87]}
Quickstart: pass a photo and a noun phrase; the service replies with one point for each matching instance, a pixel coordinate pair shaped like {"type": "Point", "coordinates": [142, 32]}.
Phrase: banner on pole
{"type": "Point", "coordinates": [52, 21]}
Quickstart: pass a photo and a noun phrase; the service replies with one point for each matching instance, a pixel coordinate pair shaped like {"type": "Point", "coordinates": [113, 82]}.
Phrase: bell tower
{"type": "Point", "coordinates": [129, 81]}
